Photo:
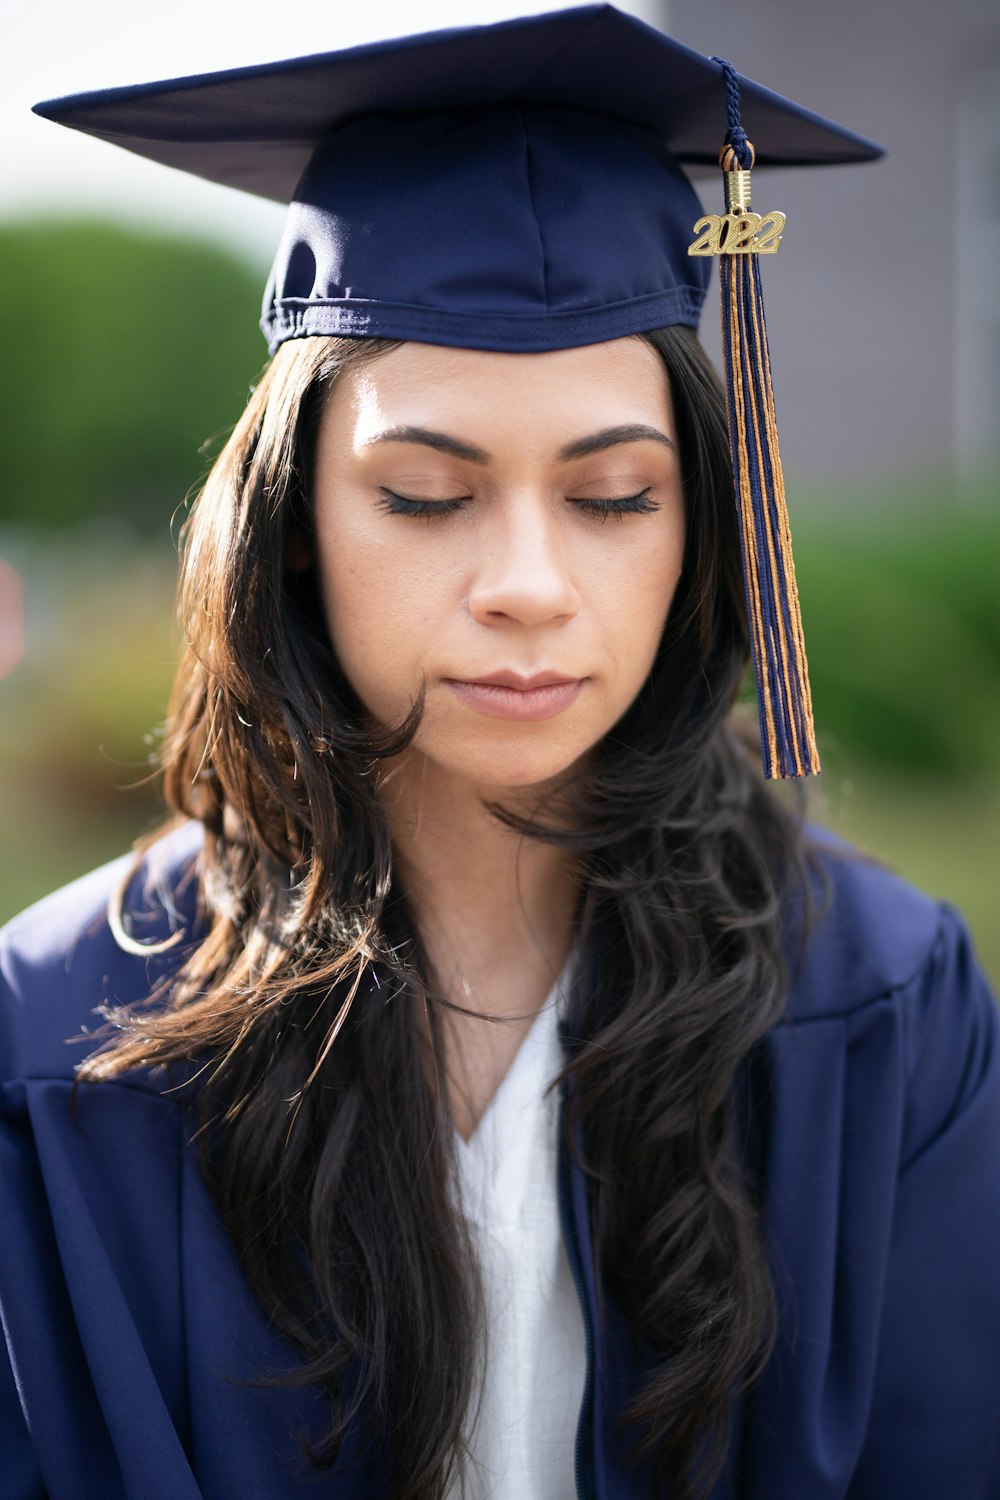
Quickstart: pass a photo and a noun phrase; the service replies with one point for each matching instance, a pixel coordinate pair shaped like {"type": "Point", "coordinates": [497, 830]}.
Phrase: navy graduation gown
{"type": "Point", "coordinates": [128, 1324]}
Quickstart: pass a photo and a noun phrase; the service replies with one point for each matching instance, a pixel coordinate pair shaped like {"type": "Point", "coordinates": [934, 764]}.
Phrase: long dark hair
{"type": "Point", "coordinates": [319, 1119]}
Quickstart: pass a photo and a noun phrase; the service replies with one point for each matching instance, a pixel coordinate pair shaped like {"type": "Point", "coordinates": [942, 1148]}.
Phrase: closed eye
{"type": "Point", "coordinates": [402, 505]}
{"type": "Point", "coordinates": [620, 505]}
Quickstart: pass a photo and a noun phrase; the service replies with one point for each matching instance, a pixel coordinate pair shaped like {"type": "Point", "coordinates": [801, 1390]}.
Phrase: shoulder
{"type": "Point", "coordinates": [60, 959]}
{"type": "Point", "coordinates": [872, 1115]}
{"type": "Point", "coordinates": [887, 989]}
{"type": "Point", "coordinates": [870, 934]}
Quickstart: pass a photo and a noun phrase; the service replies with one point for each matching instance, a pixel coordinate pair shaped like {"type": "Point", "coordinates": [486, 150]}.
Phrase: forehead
{"type": "Point", "coordinates": [623, 380]}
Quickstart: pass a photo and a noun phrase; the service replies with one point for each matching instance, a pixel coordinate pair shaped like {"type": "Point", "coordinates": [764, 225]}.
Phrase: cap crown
{"type": "Point", "coordinates": [506, 226]}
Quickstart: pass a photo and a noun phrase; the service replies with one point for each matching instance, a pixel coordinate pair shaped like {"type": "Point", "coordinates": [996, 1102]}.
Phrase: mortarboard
{"type": "Point", "coordinates": [519, 187]}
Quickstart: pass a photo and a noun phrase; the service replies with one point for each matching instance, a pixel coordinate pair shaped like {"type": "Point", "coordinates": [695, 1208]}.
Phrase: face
{"type": "Point", "coordinates": [507, 531]}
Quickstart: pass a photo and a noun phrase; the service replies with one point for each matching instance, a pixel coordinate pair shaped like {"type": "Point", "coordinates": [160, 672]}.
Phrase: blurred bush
{"type": "Point", "coordinates": [136, 347]}
{"type": "Point", "coordinates": [901, 611]}
{"type": "Point", "coordinates": [79, 718]}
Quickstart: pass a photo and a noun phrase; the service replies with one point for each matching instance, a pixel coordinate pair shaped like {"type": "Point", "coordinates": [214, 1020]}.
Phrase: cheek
{"type": "Point", "coordinates": [379, 606]}
{"type": "Point", "coordinates": [638, 592]}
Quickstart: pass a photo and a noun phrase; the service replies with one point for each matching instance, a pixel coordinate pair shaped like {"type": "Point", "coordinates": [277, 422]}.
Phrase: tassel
{"type": "Point", "coordinates": [784, 701]}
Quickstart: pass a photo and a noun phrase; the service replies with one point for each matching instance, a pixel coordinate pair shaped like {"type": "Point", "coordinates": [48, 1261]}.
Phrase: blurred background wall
{"type": "Point", "coordinates": [132, 295]}
{"type": "Point", "coordinates": [886, 294]}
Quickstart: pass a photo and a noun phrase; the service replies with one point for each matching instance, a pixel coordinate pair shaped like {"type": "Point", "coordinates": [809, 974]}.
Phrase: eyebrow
{"type": "Point", "coordinates": [595, 443]}
{"type": "Point", "coordinates": [439, 440]}
{"type": "Point", "coordinates": [610, 438]}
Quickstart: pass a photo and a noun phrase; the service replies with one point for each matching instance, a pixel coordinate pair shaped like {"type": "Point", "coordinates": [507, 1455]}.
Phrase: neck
{"type": "Point", "coordinates": [494, 910]}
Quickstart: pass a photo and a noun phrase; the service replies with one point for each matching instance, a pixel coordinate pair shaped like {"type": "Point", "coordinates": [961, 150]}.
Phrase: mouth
{"type": "Point", "coordinates": [508, 695]}
{"type": "Point", "coordinates": [519, 683]}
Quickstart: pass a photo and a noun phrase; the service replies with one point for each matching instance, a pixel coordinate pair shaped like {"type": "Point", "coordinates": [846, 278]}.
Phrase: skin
{"type": "Point", "coordinates": [520, 577]}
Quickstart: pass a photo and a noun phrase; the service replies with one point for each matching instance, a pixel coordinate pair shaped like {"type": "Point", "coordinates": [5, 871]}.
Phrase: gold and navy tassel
{"type": "Point", "coordinates": [784, 702]}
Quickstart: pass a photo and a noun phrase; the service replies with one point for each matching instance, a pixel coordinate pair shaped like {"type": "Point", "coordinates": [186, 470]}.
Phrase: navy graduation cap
{"type": "Point", "coordinates": [519, 187]}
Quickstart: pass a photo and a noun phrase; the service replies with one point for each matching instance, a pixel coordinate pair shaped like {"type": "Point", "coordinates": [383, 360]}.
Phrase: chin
{"type": "Point", "coordinates": [505, 766]}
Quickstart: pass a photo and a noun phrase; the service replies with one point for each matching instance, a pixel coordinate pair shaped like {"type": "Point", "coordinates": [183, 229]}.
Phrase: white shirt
{"type": "Point", "coordinates": [523, 1445]}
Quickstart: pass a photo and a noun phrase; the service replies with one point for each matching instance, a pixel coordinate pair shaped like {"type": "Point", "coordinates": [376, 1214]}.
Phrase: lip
{"type": "Point", "coordinates": [508, 695]}
{"type": "Point", "coordinates": [516, 680]}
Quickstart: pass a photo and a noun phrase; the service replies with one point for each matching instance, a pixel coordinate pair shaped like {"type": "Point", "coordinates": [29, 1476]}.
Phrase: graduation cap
{"type": "Point", "coordinates": [519, 187]}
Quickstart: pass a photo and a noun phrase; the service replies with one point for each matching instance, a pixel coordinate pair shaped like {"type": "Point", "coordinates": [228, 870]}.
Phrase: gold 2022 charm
{"type": "Point", "coordinates": [742, 233]}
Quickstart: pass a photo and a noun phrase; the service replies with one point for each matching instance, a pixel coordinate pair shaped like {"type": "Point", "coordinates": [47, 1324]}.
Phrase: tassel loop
{"type": "Point", "coordinates": [736, 136]}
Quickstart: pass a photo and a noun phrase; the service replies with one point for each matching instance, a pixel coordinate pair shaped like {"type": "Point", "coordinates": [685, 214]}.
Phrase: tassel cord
{"type": "Point", "coordinates": [783, 696]}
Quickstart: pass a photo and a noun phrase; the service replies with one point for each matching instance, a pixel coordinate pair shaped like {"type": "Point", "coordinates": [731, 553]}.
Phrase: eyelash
{"type": "Point", "coordinates": [399, 505]}
{"type": "Point", "coordinates": [623, 505]}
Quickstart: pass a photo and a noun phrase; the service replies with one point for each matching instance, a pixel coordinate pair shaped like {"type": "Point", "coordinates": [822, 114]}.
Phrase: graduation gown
{"type": "Point", "coordinates": [128, 1325]}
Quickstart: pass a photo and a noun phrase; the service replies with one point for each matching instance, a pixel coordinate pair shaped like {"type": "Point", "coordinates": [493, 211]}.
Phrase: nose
{"type": "Point", "coordinates": [523, 573]}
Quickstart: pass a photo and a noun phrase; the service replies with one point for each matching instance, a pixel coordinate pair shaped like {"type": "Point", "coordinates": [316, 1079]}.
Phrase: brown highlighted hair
{"type": "Point", "coordinates": [324, 1140]}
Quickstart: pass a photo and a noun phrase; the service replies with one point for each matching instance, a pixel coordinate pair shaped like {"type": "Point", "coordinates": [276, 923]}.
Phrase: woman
{"type": "Point", "coordinates": [505, 1094]}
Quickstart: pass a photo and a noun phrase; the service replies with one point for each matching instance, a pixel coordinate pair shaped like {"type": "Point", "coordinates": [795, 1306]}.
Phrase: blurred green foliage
{"type": "Point", "coordinates": [80, 715]}
{"type": "Point", "coordinates": [901, 612]}
{"type": "Point", "coordinates": [136, 347]}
